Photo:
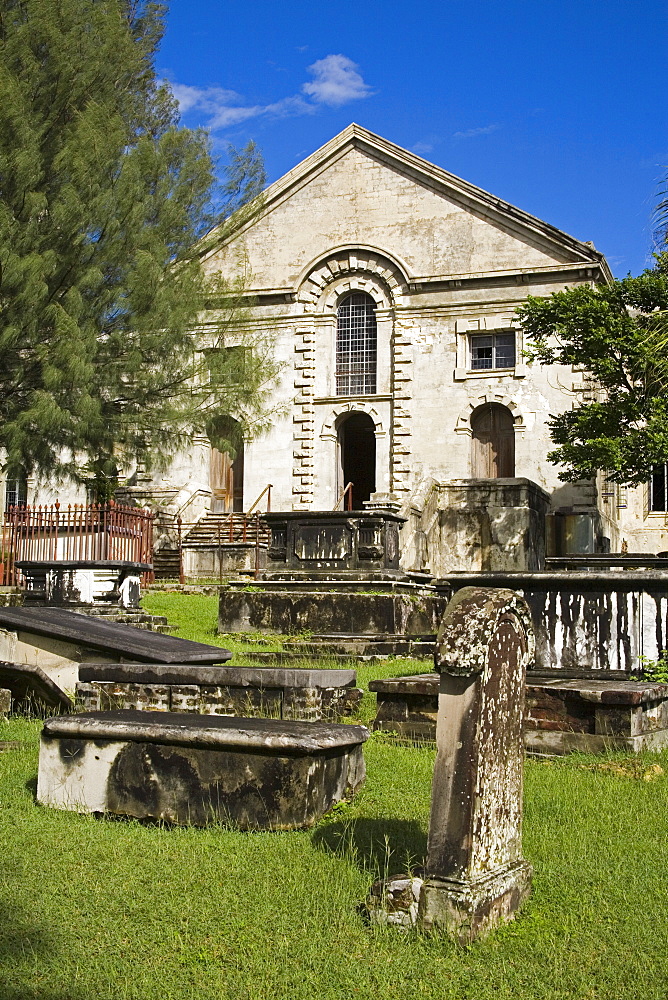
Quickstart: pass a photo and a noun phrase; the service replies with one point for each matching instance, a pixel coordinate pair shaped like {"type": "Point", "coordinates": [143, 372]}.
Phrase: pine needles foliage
{"type": "Point", "coordinates": [105, 207]}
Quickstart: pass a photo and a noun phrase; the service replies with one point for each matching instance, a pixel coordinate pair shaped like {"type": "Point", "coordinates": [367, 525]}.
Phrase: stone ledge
{"type": "Point", "coordinates": [142, 673]}
{"type": "Point", "coordinates": [176, 729]}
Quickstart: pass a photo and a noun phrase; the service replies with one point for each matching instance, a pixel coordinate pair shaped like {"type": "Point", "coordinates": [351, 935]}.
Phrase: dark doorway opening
{"type": "Point", "coordinates": [492, 427]}
{"type": "Point", "coordinates": [357, 448]}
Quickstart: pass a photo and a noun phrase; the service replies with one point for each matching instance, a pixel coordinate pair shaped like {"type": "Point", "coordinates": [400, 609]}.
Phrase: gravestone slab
{"type": "Point", "coordinates": [94, 633]}
{"type": "Point", "coordinates": [248, 691]}
{"type": "Point", "coordinates": [255, 774]}
{"type": "Point", "coordinates": [475, 875]}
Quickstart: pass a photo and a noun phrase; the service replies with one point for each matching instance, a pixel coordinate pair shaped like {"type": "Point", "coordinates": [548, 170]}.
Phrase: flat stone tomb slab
{"type": "Point", "coordinates": [595, 715]}
{"type": "Point", "coordinates": [124, 640]}
{"type": "Point", "coordinates": [562, 714]}
{"type": "Point", "coordinates": [275, 692]}
{"type": "Point", "coordinates": [255, 774]}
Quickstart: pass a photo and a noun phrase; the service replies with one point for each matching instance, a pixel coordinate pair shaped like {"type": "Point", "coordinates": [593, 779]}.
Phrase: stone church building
{"type": "Point", "coordinates": [389, 288]}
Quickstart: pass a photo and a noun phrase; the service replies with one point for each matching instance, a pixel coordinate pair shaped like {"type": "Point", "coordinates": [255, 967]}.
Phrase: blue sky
{"type": "Point", "coordinates": [557, 107]}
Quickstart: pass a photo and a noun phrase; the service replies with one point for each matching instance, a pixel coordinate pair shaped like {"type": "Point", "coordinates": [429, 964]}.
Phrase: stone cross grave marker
{"type": "Point", "coordinates": [475, 875]}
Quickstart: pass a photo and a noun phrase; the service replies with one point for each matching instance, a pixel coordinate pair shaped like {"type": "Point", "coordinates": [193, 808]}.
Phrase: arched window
{"type": "Point", "coordinates": [356, 346]}
{"type": "Point", "coordinates": [493, 433]}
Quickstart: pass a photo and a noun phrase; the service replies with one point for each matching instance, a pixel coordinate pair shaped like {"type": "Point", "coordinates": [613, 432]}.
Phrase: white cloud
{"type": "Point", "coordinates": [471, 132]}
{"type": "Point", "coordinates": [337, 81]}
{"type": "Point", "coordinates": [206, 99]}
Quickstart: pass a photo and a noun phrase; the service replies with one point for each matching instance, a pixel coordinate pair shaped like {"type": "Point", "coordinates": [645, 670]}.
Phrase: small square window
{"type": "Point", "coordinates": [494, 350]}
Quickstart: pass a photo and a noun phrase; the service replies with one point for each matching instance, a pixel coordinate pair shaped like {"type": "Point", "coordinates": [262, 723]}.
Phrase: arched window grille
{"type": "Point", "coordinates": [356, 346]}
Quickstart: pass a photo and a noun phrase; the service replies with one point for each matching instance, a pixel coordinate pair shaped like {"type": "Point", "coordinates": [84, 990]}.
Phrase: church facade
{"type": "Point", "coordinates": [389, 289]}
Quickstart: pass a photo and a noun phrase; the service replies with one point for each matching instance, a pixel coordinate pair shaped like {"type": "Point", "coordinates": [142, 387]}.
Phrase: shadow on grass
{"type": "Point", "coordinates": [26, 944]}
{"type": "Point", "coordinates": [381, 846]}
{"type": "Point", "coordinates": [31, 786]}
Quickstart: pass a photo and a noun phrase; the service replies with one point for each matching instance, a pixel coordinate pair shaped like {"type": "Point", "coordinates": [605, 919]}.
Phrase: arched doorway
{"type": "Point", "coordinates": [226, 465]}
{"type": "Point", "coordinates": [357, 457]}
{"type": "Point", "coordinates": [493, 454]}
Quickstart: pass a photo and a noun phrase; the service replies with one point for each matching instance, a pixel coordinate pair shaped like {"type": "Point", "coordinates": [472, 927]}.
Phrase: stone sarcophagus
{"type": "Point", "coordinates": [255, 774]}
{"type": "Point", "coordinates": [244, 692]}
{"type": "Point", "coordinates": [316, 543]}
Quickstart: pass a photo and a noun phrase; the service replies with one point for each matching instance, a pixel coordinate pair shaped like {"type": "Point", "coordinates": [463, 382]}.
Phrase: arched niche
{"type": "Point", "coordinates": [356, 450]}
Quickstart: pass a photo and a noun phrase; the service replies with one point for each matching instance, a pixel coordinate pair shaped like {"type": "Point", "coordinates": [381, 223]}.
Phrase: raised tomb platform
{"type": "Point", "coordinates": [273, 692]}
{"type": "Point", "coordinates": [257, 774]}
{"type": "Point", "coordinates": [590, 715]}
{"type": "Point", "coordinates": [591, 628]}
{"type": "Point", "coordinates": [335, 575]}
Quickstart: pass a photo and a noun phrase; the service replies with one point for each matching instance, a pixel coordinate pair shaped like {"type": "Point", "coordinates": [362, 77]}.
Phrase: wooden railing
{"type": "Point", "coordinates": [255, 503]}
{"type": "Point", "coordinates": [76, 533]}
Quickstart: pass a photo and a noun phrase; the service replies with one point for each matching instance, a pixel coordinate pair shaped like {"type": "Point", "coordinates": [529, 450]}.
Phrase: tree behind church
{"type": "Point", "coordinates": [104, 206]}
{"type": "Point", "coordinates": [618, 333]}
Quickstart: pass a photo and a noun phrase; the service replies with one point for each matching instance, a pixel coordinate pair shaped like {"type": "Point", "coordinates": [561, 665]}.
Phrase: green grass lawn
{"type": "Point", "coordinates": [196, 615]}
{"type": "Point", "coordinates": [112, 909]}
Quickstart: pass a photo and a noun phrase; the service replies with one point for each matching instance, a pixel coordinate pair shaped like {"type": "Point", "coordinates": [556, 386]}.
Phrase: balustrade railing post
{"type": "Point", "coordinates": [182, 578]}
{"type": "Point", "coordinates": [257, 545]}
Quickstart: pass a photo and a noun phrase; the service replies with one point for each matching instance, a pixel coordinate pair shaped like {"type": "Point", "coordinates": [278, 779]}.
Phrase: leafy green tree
{"type": "Point", "coordinates": [105, 206]}
{"type": "Point", "coordinates": [618, 334]}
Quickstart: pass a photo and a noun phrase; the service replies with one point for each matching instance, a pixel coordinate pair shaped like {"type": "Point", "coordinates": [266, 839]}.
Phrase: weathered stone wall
{"type": "Point", "coordinates": [329, 613]}
{"type": "Point", "coordinates": [592, 620]}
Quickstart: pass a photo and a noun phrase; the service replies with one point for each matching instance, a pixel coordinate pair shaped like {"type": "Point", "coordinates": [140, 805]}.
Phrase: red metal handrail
{"type": "Point", "coordinates": [347, 496]}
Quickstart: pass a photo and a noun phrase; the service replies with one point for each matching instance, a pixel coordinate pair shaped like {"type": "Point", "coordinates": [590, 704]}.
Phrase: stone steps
{"type": "Point", "coordinates": [137, 619]}
{"type": "Point", "coordinates": [294, 656]}
{"type": "Point", "coordinates": [364, 646]}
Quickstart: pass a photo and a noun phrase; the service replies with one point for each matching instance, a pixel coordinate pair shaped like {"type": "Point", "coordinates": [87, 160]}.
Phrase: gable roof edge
{"type": "Point", "coordinates": [355, 136]}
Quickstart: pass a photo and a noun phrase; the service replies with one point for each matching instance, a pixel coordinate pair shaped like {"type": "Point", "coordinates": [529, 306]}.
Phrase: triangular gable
{"type": "Point", "coordinates": [556, 245]}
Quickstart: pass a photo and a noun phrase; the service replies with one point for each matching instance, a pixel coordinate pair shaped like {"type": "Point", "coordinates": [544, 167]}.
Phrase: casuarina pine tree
{"type": "Point", "coordinates": [105, 203]}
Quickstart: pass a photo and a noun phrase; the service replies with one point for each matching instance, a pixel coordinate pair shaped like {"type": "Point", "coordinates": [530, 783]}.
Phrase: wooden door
{"type": "Point", "coordinates": [493, 455]}
{"type": "Point", "coordinates": [221, 481]}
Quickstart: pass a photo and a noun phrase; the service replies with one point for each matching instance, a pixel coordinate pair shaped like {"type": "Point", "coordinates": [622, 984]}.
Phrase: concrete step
{"type": "Point", "coordinates": [364, 647]}
{"type": "Point", "coordinates": [285, 657]}
{"type": "Point", "coordinates": [137, 619]}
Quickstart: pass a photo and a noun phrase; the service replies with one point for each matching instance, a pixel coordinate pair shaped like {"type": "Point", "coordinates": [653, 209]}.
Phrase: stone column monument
{"type": "Point", "coordinates": [475, 876]}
